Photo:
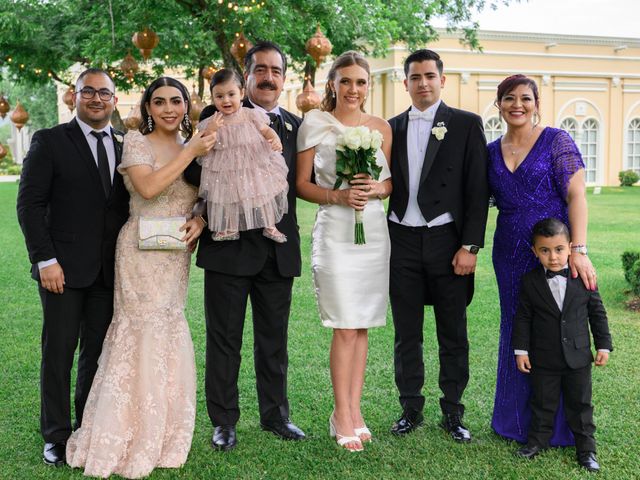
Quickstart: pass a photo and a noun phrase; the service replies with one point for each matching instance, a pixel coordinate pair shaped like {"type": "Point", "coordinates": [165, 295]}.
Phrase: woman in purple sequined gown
{"type": "Point", "coordinates": [534, 173]}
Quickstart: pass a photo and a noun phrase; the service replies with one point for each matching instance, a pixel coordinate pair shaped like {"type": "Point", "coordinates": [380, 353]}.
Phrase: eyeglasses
{"type": "Point", "coordinates": [89, 92]}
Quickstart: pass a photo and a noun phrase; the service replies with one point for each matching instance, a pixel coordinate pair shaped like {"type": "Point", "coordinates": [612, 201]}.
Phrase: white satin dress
{"type": "Point", "coordinates": [351, 281]}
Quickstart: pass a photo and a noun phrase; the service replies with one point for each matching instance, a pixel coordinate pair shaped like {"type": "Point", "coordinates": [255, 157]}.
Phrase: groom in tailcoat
{"type": "Point", "coordinates": [437, 219]}
{"type": "Point", "coordinates": [71, 205]}
{"type": "Point", "coordinates": [254, 268]}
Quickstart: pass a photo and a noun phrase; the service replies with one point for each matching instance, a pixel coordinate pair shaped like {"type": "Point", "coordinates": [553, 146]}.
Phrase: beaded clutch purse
{"type": "Point", "coordinates": [161, 233]}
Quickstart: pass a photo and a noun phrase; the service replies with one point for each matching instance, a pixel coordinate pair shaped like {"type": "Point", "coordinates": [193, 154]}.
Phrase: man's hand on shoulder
{"type": "Point", "coordinates": [52, 278]}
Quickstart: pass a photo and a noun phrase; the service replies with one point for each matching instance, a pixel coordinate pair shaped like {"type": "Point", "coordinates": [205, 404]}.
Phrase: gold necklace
{"type": "Point", "coordinates": [526, 142]}
{"type": "Point", "coordinates": [356, 125]}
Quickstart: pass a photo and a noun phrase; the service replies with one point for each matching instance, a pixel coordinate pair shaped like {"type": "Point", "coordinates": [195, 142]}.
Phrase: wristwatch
{"type": "Point", "coordinates": [473, 249]}
{"type": "Point", "coordinates": [579, 249]}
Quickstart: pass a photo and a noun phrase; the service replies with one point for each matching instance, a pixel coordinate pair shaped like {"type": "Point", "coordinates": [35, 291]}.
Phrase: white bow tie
{"type": "Point", "coordinates": [426, 115]}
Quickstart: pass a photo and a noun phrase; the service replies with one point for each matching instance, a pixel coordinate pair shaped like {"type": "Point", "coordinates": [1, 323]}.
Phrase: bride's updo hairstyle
{"type": "Point", "coordinates": [345, 60]}
{"type": "Point", "coordinates": [185, 125]}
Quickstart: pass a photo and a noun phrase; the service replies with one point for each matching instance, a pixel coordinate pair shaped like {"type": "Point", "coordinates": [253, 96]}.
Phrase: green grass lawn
{"type": "Point", "coordinates": [614, 227]}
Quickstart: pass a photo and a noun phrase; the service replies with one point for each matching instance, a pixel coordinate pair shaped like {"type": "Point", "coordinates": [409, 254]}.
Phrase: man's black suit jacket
{"type": "Point", "coordinates": [454, 173]}
{"type": "Point", "coordinates": [62, 207]}
{"type": "Point", "coordinates": [553, 337]}
{"type": "Point", "coordinates": [246, 256]}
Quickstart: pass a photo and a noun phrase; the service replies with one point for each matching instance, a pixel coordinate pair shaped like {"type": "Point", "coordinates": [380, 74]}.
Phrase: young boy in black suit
{"type": "Point", "coordinates": [551, 342]}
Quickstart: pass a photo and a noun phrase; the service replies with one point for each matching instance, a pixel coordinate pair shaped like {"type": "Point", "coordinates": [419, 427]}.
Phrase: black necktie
{"type": "Point", "coordinates": [563, 273]}
{"type": "Point", "coordinates": [275, 124]}
{"type": "Point", "coordinates": [103, 162]}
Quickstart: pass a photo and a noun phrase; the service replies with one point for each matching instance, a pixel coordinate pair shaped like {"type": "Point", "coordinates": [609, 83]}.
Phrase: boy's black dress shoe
{"type": "Point", "coordinates": [452, 423]}
{"type": "Point", "coordinates": [588, 460]}
{"type": "Point", "coordinates": [528, 451]}
{"type": "Point", "coordinates": [224, 438]}
{"type": "Point", "coordinates": [407, 423]}
{"type": "Point", "coordinates": [284, 429]}
{"type": "Point", "coordinates": [54, 454]}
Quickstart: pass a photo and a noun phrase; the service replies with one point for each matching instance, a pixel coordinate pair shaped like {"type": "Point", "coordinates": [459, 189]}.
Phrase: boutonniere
{"type": "Point", "coordinates": [119, 138]}
{"type": "Point", "coordinates": [439, 130]}
{"type": "Point", "coordinates": [288, 126]}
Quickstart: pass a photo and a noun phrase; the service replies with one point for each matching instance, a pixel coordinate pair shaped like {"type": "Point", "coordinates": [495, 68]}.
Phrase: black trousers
{"type": "Point", "coordinates": [225, 308]}
{"type": "Point", "coordinates": [82, 314]}
{"type": "Point", "coordinates": [575, 386]}
{"type": "Point", "coordinates": [421, 274]}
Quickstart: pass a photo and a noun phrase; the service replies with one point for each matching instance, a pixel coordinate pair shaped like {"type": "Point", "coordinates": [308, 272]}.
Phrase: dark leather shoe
{"type": "Point", "coordinates": [54, 454]}
{"type": "Point", "coordinates": [529, 451]}
{"type": "Point", "coordinates": [284, 429]}
{"type": "Point", "coordinates": [589, 461]}
{"type": "Point", "coordinates": [224, 438]}
{"type": "Point", "coordinates": [407, 423]}
{"type": "Point", "coordinates": [452, 423]}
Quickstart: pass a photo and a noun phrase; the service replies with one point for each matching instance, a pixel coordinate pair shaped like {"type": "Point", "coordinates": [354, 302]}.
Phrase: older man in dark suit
{"type": "Point", "coordinates": [71, 205]}
{"type": "Point", "coordinates": [437, 218]}
{"type": "Point", "coordinates": [254, 268]}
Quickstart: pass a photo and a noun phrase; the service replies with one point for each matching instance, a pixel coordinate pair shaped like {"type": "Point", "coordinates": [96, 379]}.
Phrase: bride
{"type": "Point", "coordinates": [351, 281]}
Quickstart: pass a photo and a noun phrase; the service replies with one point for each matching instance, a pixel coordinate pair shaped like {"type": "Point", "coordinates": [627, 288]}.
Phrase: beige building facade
{"type": "Point", "coordinates": [589, 86]}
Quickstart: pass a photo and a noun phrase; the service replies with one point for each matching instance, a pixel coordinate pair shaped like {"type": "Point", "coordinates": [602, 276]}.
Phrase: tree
{"type": "Point", "coordinates": [40, 40]}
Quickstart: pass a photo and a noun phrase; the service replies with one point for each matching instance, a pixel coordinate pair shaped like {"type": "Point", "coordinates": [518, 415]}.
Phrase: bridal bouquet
{"type": "Point", "coordinates": [356, 153]}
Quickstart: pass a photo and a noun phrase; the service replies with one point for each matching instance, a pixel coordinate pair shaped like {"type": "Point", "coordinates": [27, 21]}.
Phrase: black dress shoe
{"type": "Point", "coordinates": [224, 438]}
{"type": "Point", "coordinates": [284, 429]}
{"type": "Point", "coordinates": [54, 454]}
{"type": "Point", "coordinates": [407, 423]}
{"type": "Point", "coordinates": [452, 423]}
{"type": "Point", "coordinates": [588, 460]}
{"type": "Point", "coordinates": [529, 451]}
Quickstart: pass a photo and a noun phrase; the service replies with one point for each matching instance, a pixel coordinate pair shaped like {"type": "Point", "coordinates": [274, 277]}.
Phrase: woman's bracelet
{"type": "Point", "coordinates": [326, 191]}
{"type": "Point", "coordinates": [204, 222]}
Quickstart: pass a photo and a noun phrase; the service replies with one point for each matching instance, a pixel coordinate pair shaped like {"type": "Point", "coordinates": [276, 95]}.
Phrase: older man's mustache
{"type": "Point", "coordinates": [266, 84]}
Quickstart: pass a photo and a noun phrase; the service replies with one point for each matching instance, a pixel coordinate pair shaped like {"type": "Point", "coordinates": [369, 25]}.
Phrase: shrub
{"type": "Point", "coordinates": [628, 178]}
{"type": "Point", "coordinates": [631, 267]}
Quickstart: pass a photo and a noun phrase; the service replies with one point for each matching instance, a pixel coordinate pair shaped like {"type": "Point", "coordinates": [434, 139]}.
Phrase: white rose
{"type": "Point", "coordinates": [376, 139]}
{"type": "Point", "coordinates": [352, 139]}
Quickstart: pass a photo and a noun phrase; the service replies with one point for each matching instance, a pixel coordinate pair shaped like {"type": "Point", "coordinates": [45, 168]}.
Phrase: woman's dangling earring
{"type": "Point", "coordinates": [150, 123]}
{"type": "Point", "coordinates": [187, 120]}
{"type": "Point", "coordinates": [333, 94]}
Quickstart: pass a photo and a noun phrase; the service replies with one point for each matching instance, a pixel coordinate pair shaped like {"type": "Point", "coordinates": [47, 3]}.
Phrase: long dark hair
{"type": "Point", "coordinates": [185, 125]}
{"type": "Point", "coordinates": [345, 60]}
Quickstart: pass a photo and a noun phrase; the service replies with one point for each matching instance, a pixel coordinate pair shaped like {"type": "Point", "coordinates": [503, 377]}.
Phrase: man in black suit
{"type": "Point", "coordinates": [71, 205]}
{"type": "Point", "coordinates": [254, 268]}
{"type": "Point", "coordinates": [437, 218]}
{"type": "Point", "coordinates": [551, 342]}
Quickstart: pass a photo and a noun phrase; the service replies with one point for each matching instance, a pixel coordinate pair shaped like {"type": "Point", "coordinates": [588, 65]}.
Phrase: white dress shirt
{"type": "Point", "coordinates": [93, 146]}
{"type": "Point", "coordinates": [558, 287]}
{"type": "Point", "coordinates": [275, 109]}
{"type": "Point", "coordinates": [418, 136]}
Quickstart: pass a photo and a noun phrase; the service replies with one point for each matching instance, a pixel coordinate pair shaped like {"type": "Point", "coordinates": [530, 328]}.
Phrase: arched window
{"type": "Point", "coordinates": [570, 126]}
{"type": "Point", "coordinates": [589, 148]}
{"type": "Point", "coordinates": [492, 129]}
{"type": "Point", "coordinates": [633, 146]}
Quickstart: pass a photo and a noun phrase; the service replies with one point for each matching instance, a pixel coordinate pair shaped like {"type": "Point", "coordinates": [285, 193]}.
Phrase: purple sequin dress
{"type": "Point", "coordinates": [536, 190]}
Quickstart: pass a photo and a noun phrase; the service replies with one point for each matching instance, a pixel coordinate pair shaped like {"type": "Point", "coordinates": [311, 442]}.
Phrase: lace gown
{"type": "Point", "coordinates": [351, 281]}
{"type": "Point", "coordinates": [536, 190]}
{"type": "Point", "coordinates": [140, 412]}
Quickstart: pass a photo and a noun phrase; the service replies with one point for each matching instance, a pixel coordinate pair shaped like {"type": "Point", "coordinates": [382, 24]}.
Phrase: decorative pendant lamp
{"type": "Point", "coordinates": [67, 98]}
{"type": "Point", "coordinates": [318, 46]}
{"type": "Point", "coordinates": [240, 47]}
{"type": "Point", "coordinates": [308, 99]}
{"type": "Point", "coordinates": [197, 105]}
{"type": "Point", "coordinates": [134, 117]}
{"type": "Point", "coordinates": [3, 151]}
{"type": "Point", "coordinates": [129, 66]}
{"type": "Point", "coordinates": [4, 106]}
{"type": "Point", "coordinates": [19, 116]}
{"type": "Point", "coordinates": [209, 72]}
{"type": "Point", "coordinates": [145, 40]}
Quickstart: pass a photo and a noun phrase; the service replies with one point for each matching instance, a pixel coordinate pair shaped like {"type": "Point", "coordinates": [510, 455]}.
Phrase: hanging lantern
{"type": "Point", "coordinates": [67, 98]}
{"type": "Point", "coordinates": [209, 72]}
{"type": "Point", "coordinates": [129, 66]}
{"type": "Point", "coordinates": [134, 117]}
{"type": "Point", "coordinates": [145, 41]}
{"type": "Point", "coordinates": [3, 151]}
{"type": "Point", "coordinates": [318, 46]}
{"type": "Point", "coordinates": [240, 47]}
{"type": "Point", "coordinates": [197, 105]}
{"type": "Point", "coordinates": [308, 99]}
{"type": "Point", "coordinates": [4, 106]}
{"type": "Point", "coordinates": [19, 116]}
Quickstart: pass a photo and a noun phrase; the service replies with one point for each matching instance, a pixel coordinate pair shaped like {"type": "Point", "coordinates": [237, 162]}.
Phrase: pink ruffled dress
{"type": "Point", "coordinates": [243, 181]}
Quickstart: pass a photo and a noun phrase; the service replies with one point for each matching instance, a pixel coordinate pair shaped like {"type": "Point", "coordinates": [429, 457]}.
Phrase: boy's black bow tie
{"type": "Point", "coordinates": [564, 272]}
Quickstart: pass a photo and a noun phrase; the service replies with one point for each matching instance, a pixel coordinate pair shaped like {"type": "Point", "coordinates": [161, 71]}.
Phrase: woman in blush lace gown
{"type": "Point", "coordinates": [140, 413]}
{"type": "Point", "coordinates": [534, 173]}
{"type": "Point", "coordinates": [351, 281]}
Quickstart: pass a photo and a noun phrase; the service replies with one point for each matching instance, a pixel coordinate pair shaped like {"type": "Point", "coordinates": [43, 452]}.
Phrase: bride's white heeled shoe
{"type": "Point", "coordinates": [341, 440]}
{"type": "Point", "coordinates": [363, 431]}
